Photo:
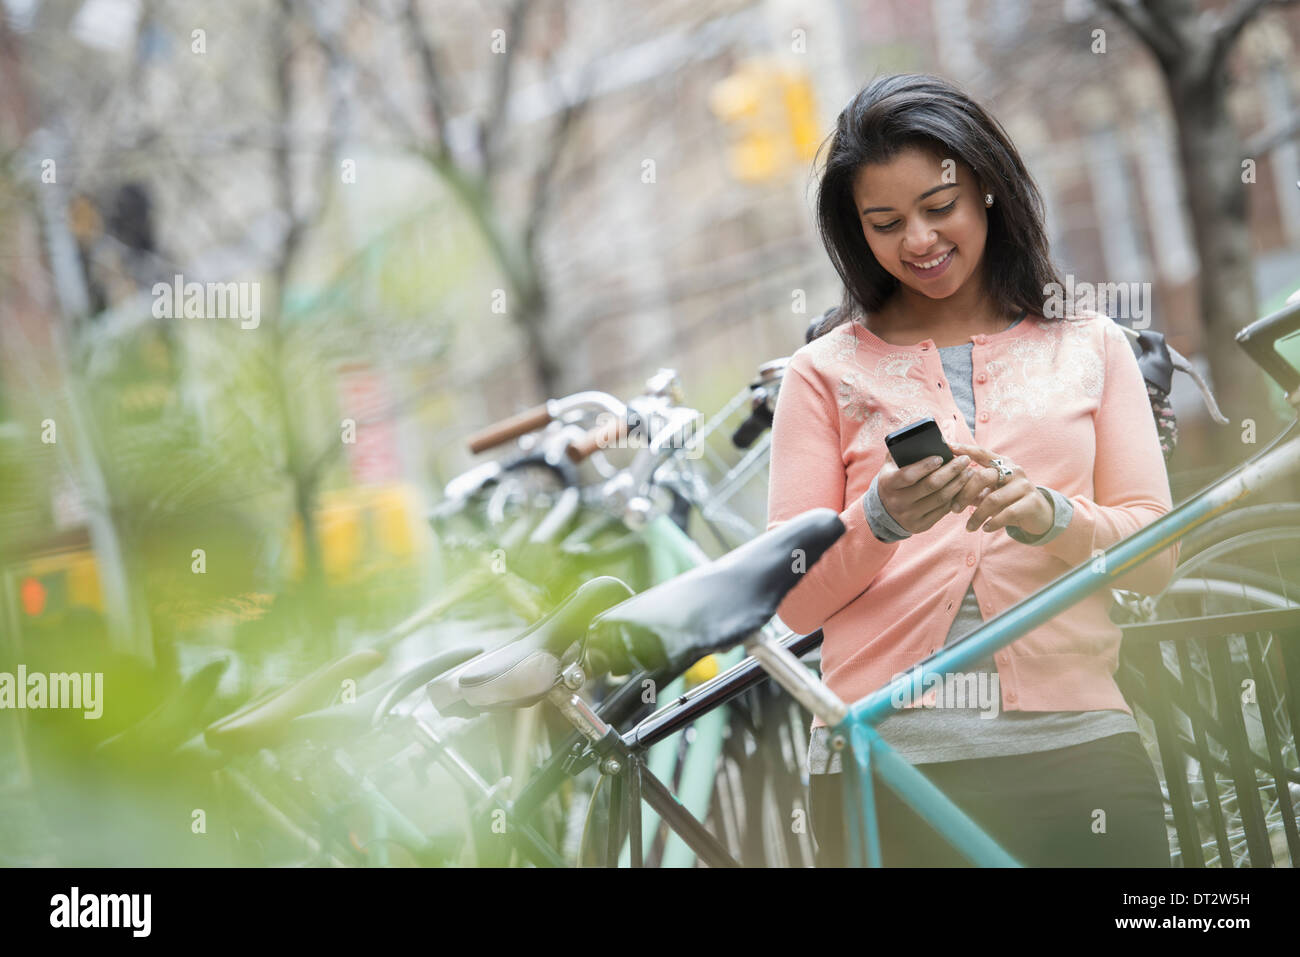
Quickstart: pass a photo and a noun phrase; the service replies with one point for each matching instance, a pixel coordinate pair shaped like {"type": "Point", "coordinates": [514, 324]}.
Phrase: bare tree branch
{"type": "Point", "coordinates": [492, 124]}
{"type": "Point", "coordinates": [282, 163]}
{"type": "Point", "coordinates": [1236, 19]}
{"type": "Point", "coordinates": [541, 190]}
{"type": "Point", "coordinates": [375, 86]}
{"type": "Point", "coordinates": [327, 175]}
{"type": "Point", "coordinates": [1164, 46]}
{"type": "Point", "coordinates": [435, 94]}
{"type": "Point", "coordinates": [300, 218]}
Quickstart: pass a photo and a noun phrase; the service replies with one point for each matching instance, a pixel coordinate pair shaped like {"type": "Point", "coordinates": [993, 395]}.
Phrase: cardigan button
{"type": "Point", "coordinates": [984, 416]}
{"type": "Point", "coordinates": [981, 377]}
{"type": "Point", "coordinates": [970, 559]}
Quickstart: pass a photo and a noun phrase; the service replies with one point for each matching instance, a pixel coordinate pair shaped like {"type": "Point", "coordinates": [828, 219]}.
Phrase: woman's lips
{"type": "Point", "coordinates": [934, 271]}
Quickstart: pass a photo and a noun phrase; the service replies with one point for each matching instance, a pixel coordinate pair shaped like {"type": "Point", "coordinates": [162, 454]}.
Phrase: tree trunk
{"type": "Point", "coordinates": [547, 359]}
{"type": "Point", "coordinates": [1209, 150]}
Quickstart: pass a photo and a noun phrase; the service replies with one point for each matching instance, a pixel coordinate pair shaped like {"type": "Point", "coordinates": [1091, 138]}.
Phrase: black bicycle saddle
{"type": "Point", "coordinates": [520, 673]}
{"type": "Point", "coordinates": [359, 716]}
{"type": "Point", "coordinates": [715, 606]}
{"type": "Point", "coordinates": [262, 723]}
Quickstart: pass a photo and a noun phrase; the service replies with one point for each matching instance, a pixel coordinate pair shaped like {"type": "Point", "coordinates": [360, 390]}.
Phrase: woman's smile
{"type": "Point", "coordinates": [932, 268]}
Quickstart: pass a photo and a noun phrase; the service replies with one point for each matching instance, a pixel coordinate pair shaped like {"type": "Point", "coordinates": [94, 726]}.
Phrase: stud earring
{"type": "Point", "coordinates": [988, 199]}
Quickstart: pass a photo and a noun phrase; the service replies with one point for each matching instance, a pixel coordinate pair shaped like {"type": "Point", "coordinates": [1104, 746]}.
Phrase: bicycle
{"type": "Point", "coordinates": [665, 431]}
{"type": "Point", "coordinates": [548, 664]}
{"type": "Point", "coordinates": [263, 724]}
{"type": "Point", "coordinates": [1241, 562]}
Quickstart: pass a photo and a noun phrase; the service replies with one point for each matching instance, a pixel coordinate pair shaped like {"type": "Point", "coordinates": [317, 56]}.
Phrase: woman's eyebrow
{"type": "Point", "coordinates": [928, 192]}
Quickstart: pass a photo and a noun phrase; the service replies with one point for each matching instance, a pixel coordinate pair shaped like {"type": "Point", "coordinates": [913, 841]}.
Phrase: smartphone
{"type": "Point", "coordinates": [917, 441]}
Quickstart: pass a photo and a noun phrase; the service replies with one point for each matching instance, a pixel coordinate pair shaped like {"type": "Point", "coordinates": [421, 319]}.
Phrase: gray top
{"type": "Point", "coordinates": [931, 735]}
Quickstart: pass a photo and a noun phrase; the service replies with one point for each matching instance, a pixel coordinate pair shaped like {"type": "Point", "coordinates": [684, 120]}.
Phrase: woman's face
{"type": "Point", "coordinates": [925, 225]}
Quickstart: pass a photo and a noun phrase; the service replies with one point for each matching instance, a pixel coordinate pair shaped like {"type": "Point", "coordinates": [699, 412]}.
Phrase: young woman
{"type": "Point", "coordinates": [936, 229]}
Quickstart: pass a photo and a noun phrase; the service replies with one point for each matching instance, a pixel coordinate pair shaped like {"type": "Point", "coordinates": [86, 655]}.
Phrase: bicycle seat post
{"type": "Point", "coordinates": [792, 675]}
{"type": "Point", "coordinates": [564, 696]}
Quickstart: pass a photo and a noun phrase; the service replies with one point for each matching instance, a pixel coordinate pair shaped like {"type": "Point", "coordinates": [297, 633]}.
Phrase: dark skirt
{"type": "Point", "coordinates": [1095, 804]}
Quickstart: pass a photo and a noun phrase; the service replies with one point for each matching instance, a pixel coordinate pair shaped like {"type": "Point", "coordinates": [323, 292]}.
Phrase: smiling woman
{"type": "Point", "coordinates": [936, 229]}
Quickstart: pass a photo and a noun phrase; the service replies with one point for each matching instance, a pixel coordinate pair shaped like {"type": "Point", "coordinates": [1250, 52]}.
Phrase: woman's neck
{"type": "Point", "coordinates": [908, 318]}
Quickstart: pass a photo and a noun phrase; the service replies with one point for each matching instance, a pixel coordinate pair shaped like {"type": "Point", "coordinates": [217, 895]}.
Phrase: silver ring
{"type": "Point", "coordinates": [1005, 470]}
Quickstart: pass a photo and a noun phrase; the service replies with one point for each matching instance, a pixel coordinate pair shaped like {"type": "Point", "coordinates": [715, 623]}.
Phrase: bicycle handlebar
{"type": "Point", "coordinates": [1175, 362]}
{"type": "Point", "coordinates": [600, 437]}
{"type": "Point", "coordinates": [499, 433]}
{"type": "Point", "coordinates": [538, 417]}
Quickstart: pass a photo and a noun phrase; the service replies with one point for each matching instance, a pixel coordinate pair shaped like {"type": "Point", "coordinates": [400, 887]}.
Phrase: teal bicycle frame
{"type": "Point", "coordinates": [672, 552]}
{"type": "Point", "coordinates": [853, 726]}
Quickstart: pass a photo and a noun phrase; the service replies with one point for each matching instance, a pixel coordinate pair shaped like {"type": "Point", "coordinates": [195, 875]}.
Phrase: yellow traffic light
{"type": "Point", "coordinates": [801, 111]}
{"type": "Point", "coordinates": [772, 111]}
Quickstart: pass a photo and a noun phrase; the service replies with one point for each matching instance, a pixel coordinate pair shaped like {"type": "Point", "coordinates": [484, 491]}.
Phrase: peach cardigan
{"type": "Point", "coordinates": [1063, 399]}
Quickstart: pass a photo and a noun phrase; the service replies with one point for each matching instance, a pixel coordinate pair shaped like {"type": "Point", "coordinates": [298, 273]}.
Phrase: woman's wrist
{"type": "Point", "coordinates": [1043, 516]}
{"type": "Point", "coordinates": [1062, 510]}
{"type": "Point", "coordinates": [883, 525]}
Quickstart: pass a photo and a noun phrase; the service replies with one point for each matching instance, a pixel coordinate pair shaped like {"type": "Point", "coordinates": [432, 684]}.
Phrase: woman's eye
{"type": "Point", "coordinates": [888, 227]}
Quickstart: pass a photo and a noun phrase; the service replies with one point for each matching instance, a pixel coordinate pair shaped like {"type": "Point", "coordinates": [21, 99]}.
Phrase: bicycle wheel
{"type": "Point", "coordinates": [786, 806]}
{"type": "Point", "coordinates": [593, 846]}
{"type": "Point", "coordinates": [1243, 561]}
{"type": "Point", "coordinates": [595, 849]}
{"type": "Point", "coordinates": [760, 805]}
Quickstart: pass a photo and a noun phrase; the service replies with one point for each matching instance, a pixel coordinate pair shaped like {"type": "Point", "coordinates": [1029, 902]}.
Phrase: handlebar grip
{"type": "Point", "coordinates": [498, 433]}
{"type": "Point", "coordinates": [747, 433]}
{"type": "Point", "coordinates": [602, 436]}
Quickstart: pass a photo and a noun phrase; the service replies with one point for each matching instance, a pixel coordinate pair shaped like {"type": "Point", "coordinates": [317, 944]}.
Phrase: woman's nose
{"type": "Point", "coordinates": [918, 239]}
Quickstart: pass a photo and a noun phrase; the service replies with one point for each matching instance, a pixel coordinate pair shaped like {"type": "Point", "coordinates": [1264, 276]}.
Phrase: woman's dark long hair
{"type": "Point", "coordinates": [908, 110]}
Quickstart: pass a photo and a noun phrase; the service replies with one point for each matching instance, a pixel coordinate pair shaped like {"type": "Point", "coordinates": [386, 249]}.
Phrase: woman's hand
{"type": "Point", "coordinates": [920, 494]}
{"type": "Point", "coordinates": [1018, 502]}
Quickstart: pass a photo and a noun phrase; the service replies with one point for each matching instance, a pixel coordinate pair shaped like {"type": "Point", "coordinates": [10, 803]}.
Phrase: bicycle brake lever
{"type": "Point", "coordinates": [579, 758]}
{"type": "Point", "coordinates": [1182, 364]}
